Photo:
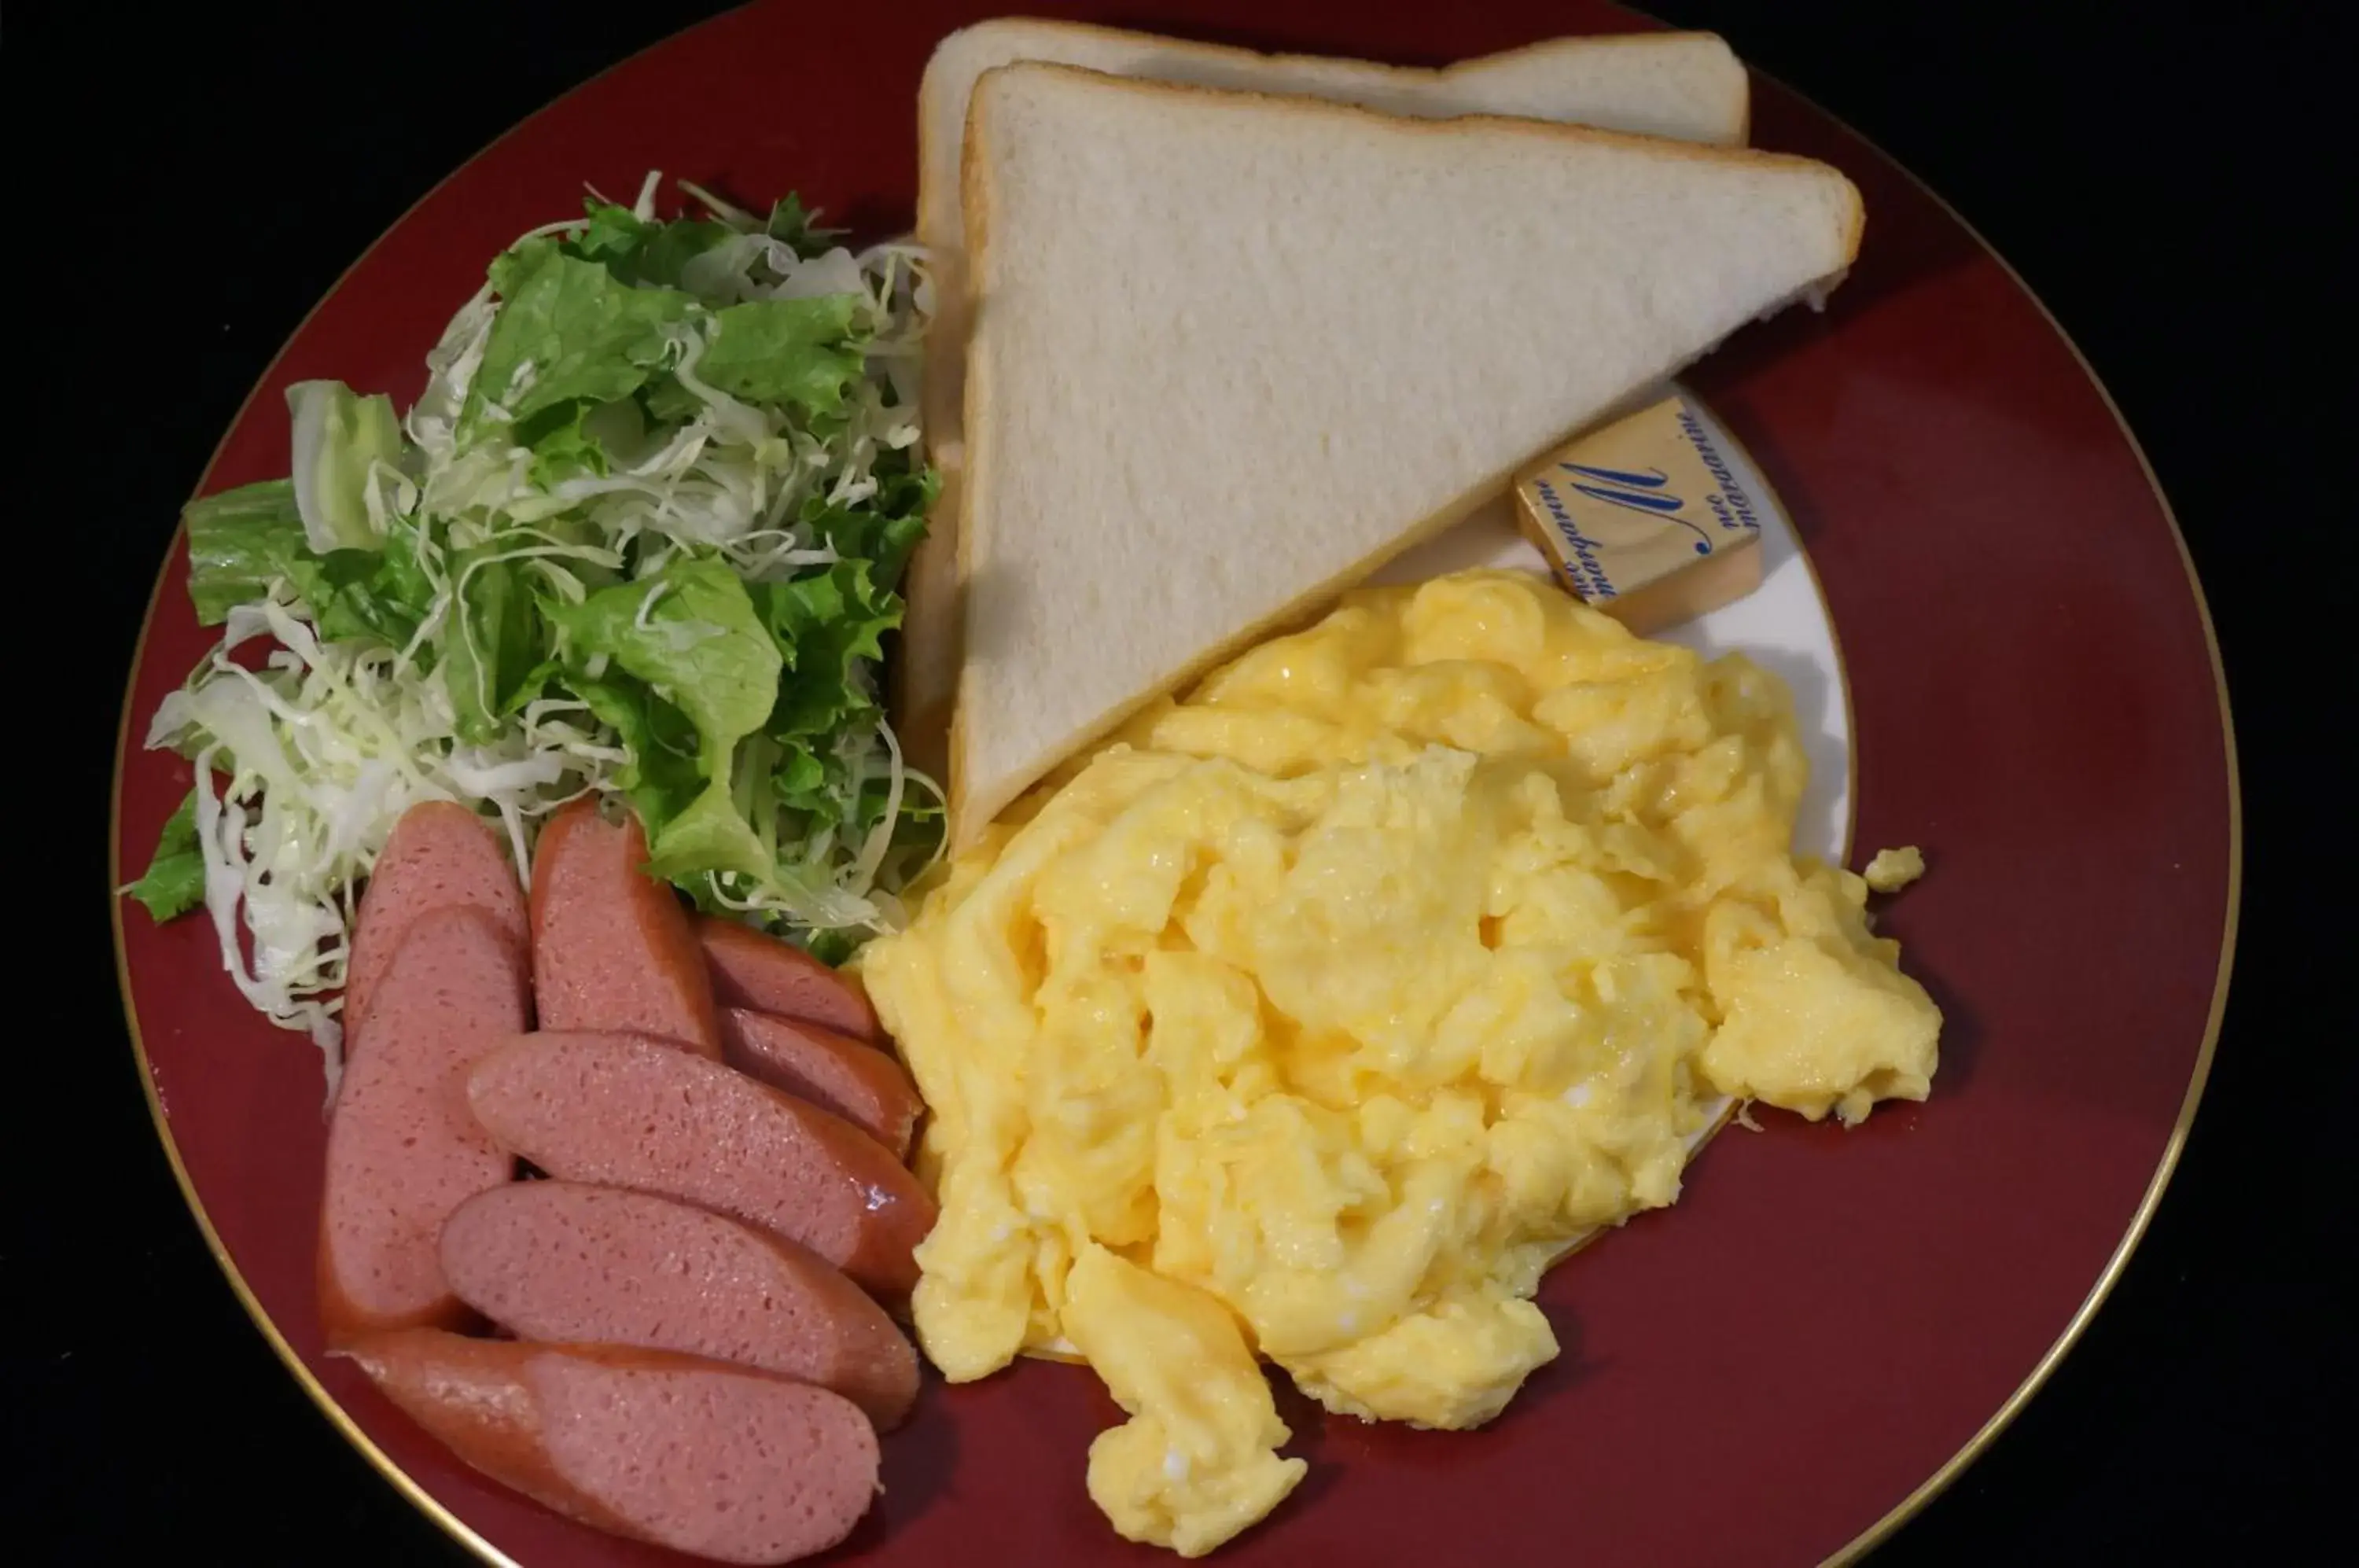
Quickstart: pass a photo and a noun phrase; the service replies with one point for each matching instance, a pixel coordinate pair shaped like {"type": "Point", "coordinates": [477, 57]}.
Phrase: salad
{"type": "Point", "coordinates": [639, 537]}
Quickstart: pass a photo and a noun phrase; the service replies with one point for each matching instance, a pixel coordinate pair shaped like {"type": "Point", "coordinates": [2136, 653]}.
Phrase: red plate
{"type": "Point", "coordinates": [1830, 1324]}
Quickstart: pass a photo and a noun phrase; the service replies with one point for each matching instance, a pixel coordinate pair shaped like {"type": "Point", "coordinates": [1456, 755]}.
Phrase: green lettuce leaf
{"type": "Point", "coordinates": [801, 784]}
{"type": "Point", "coordinates": [175, 881]}
{"type": "Point", "coordinates": [583, 333]}
{"type": "Point", "coordinates": [401, 574]}
{"type": "Point", "coordinates": [379, 596]}
{"type": "Point", "coordinates": [612, 236]}
{"type": "Point", "coordinates": [665, 773]}
{"type": "Point", "coordinates": [710, 835]}
{"type": "Point", "coordinates": [832, 947]}
{"type": "Point", "coordinates": [639, 252]}
{"type": "Point", "coordinates": [240, 542]}
{"type": "Point", "coordinates": [689, 632]}
{"type": "Point", "coordinates": [495, 642]}
{"type": "Point", "coordinates": [561, 442]}
{"type": "Point", "coordinates": [883, 530]}
{"type": "Point", "coordinates": [665, 401]}
{"type": "Point", "coordinates": [802, 351]}
{"type": "Point", "coordinates": [670, 249]}
{"type": "Point", "coordinates": [789, 222]}
{"type": "Point", "coordinates": [349, 594]}
{"type": "Point", "coordinates": [339, 437]}
{"type": "Point", "coordinates": [825, 625]}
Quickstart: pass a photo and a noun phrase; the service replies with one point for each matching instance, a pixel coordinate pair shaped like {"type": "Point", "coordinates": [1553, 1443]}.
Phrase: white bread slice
{"type": "Point", "coordinates": [1687, 86]}
{"type": "Point", "coordinates": [1232, 352]}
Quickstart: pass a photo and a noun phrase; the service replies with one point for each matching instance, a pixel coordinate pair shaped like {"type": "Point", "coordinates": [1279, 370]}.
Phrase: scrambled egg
{"type": "Point", "coordinates": [1893, 870]}
{"type": "Point", "coordinates": [1315, 1015]}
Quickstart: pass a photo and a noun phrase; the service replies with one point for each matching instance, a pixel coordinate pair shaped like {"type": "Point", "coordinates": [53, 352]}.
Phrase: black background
{"type": "Point", "coordinates": [184, 188]}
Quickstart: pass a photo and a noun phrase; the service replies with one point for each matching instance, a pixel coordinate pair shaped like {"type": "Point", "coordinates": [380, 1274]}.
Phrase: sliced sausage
{"type": "Point", "coordinates": [727, 1462]}
{"type": "Point", "coordinates": [440, 853]}
{"type": "Point", "coordinates": [627, 1111]}
{"type": "Point", "coordinates": [752, 969]}
{"type": "Point", "coordinates": [835, 1071]}
{"type": "Point", "coordinates": [403, 1150]}
{"type": "Point", "coordinates": [558, 1260]}
{"type": "Point", "coordinates": [612, 949]}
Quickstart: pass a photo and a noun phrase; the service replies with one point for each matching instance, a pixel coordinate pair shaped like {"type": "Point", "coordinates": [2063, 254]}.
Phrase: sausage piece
{"type": "Point", "coordinates": [403, 1150]}
{"type": "Point", "coordinates": [612, 949]}
{"type": "Point", "coordinates": [558, 1260]}
{"type": "Point", "coordinates": [833, 1072]}
{"type": "Point", "coordinates": [725, 1462]}
{"type": "Point", "coordinates": [752, 969]}
{"type": "Point", "coordinates": [440, 853]}
{"type": "Point", "coordinates": [627, 1111]}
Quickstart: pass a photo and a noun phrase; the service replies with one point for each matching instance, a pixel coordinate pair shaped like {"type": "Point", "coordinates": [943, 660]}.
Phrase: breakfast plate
{"type": "Point", "coordinates": [1831, 1323]}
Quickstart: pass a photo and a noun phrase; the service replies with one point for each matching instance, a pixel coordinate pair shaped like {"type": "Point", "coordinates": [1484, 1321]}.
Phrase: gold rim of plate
{"type": "Point", "coordinates": [1975, 1446]}
{"type": "Point", "coordinates": [466, 1536]}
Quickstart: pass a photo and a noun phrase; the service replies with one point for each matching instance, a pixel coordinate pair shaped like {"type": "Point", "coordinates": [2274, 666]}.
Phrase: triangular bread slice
{"type": "Point", "coordinates": [1687, 86]}
{"type": "Point", "coordinates": [1232, 352]}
